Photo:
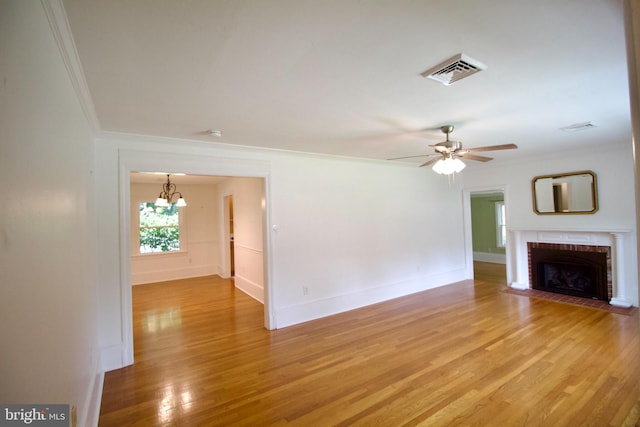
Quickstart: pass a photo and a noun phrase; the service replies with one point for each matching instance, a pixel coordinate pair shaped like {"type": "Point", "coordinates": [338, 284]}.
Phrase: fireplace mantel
{"type": "Point", "coordinates": [571, 229]}
{"type": "Point", "coordinates": [615, 238]}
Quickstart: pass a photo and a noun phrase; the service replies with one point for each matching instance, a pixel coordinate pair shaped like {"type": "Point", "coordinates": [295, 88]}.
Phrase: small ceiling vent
{"type": "Point", "coordinates": [454, 69]}
{"type": "Point", "coordinates": [578, 127]}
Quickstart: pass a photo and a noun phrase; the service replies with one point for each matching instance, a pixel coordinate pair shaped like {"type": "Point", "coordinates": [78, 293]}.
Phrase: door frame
{"type": "Point", "coordinates": [468, 237]}
{"type": "Point", "coordinates": [228, 267]}
{"type": "Point", "coordinates": [170, 162]}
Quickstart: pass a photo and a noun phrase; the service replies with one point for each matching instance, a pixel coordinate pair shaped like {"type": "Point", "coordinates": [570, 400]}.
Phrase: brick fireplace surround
{"type": "Point", "coordinates": [572, 248]}
{"type": "Point", "coordinates": [611, 241]}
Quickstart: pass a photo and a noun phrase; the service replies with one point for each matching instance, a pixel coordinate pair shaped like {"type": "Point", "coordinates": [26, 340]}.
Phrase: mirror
{"type": "Point", "coordinates": [565, 193]}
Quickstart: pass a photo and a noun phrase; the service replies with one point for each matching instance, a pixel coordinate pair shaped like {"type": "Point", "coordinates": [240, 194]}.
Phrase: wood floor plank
{"type": "Point", "coordinates": [463, 354]}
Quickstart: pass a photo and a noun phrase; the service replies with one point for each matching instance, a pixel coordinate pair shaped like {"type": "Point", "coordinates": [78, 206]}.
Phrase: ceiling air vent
{"type": "Point", "coordinates": [578, 127]}
{"type": "Point", "coordinates": [454, 69]}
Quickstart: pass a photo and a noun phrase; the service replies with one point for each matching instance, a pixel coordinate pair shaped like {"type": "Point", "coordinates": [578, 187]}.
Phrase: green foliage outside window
{"type": "Point", "coordinates": [159, 228]}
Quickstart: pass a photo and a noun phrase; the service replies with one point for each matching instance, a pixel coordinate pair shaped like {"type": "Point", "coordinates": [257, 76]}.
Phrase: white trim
{"type": "Point", "coordinates": [519, 286]}
{"type": "Point", "coordinates": [620, 302]}
{"type": "Point", "coordinates": [111, 357]}
{"type": "Point", "coordinates": [254, 290]}
{"type": "Point", "coordinates": [468, 237]}
{"type": "Point", "coordinates": [126, 302]}
{"type": "Point", "coordinates": [57, 17]}
{"type": "Point", "coordinates": [500, 223]}
{"type": "Point", "coordinates": [160, 254]}
{"type": "Point", "coordinates": [572, 229]}
{"type": "Point", "coordinates": [172, 162]}
{"type": "Point", "coordinates": [490, 257]}
{"type": "Point", "coordinates": [619, 286]}
{"type": "Point", "coordinates": [322, 307]}
{"type": "Point", "coordinates": [248, 248]}
{"type": "Point", "coordinates": [172, 274]}
{"type": "Point", "coordinates": [91, 408]}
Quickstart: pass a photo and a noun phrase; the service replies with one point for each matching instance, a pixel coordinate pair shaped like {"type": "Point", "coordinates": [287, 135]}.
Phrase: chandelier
{"type": "Point", "coordinates": [165, 198]}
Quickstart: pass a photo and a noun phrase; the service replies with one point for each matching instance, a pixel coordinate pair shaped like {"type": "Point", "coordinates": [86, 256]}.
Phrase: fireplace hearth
{"type": "Point", "coordinates": [577, 270]}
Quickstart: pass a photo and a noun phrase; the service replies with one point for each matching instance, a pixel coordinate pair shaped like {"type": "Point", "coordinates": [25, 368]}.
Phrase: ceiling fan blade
{"type": "Point", "coordinates": [411, 157]}
{"type": "Point", "coordinates": [439, 148]}
{"type": "Point", "coordinates": [474, 157]}
{"type": "Point", "coordinates": [430, 162]}
{"type": "Point", "coordinates": [493, 147]}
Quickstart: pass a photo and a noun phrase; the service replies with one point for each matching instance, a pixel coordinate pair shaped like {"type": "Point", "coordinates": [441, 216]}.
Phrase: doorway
{"type": "Point", "coordinates": [207, 238]}
{"type": "Point", "coordinates": [131, 161]}
{"type": "Point", "coordinates": [487, 237]}
{"type": "Point", "coordinates": [228, 234]}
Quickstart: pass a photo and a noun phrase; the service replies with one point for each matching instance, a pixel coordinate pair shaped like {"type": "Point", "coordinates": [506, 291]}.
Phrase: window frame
{"type": "Point", "coordinates": [501, 224]}
{"type": "Point", "coordinates": [182, 230]}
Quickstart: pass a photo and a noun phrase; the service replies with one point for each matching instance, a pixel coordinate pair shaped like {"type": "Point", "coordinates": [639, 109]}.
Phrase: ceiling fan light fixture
{"type": "Point", "coordinates": [448, 155]}
{"type": "Point", "coordinates": [448, 165]}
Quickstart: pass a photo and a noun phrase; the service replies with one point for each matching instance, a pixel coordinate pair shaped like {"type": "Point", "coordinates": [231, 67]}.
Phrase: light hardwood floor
{"type": "Point", "coordinates": [463, 354]}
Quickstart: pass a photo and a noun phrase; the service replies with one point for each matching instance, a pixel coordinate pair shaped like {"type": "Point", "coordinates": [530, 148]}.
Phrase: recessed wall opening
{"type": "Point", "coordinates": [120, 353]}
{"type": "Point", "coordinates": [576, 270]}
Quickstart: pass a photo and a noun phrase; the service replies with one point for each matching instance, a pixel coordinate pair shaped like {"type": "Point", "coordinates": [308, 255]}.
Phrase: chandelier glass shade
{"type": "Point", "coordinates": [165, 198]}
{"type": "Point", "coordinates": [448, 165]}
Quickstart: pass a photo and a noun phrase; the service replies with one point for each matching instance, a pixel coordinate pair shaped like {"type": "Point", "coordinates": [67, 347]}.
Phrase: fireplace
{"type": "Point", "coordinates": [616, 244]}
{"type": "Point", "coordinates": [577, 270]}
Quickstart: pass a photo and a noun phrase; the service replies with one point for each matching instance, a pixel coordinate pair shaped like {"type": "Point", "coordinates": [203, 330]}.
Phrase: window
{"type": "Point", "coordinates": [501, 226]}
{"type": "Point", "coordinates": [159, 228]}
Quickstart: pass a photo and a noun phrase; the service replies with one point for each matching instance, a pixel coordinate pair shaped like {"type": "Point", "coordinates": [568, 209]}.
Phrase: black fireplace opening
{"type": "Point", "coordinates": [580, 274]}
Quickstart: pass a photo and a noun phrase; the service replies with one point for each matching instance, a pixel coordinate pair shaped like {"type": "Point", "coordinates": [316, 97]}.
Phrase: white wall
{"type": "Point", "coordinates": [632, 30]}
{"type": "Point", "coordinates": [199, 254]}
{"type": "Point", "coordinates": [356, 233]}
{"type": "Point", "coordinates": [613, 166]}
{"type": "Point", "coordinates": [47, 252]}
{"type": "Point", "coordinates": [351, 232]}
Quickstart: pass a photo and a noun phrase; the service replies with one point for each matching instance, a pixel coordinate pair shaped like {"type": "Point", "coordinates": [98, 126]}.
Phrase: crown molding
{"type": "Point", "coordinates": [57, 17]}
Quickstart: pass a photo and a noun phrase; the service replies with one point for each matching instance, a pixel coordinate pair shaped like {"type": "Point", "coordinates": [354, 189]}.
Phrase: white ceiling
{"type": "Point", "coordinates": [343, 76]}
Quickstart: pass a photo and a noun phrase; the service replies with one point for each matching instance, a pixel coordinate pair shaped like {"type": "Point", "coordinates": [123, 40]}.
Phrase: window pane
{"type": "Point", "coordinates": [152, 215]}
{"type": "Point", "coordinates": [501, 227]}
{"type": "Point", "coordinates": [159, 228]}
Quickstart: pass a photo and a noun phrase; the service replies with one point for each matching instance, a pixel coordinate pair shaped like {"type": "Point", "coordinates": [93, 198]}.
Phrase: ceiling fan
{"type": "Point", "coordinates": [446, 159]}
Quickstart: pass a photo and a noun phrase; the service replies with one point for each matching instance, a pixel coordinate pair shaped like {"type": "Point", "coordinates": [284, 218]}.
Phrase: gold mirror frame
{"type": "Point", "coordinates": [555, 189]}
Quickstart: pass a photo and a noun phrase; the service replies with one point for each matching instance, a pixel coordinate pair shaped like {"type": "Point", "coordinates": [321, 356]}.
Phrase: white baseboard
{"type": "Point", "coordinates": [173, 274]}
{"type": "Point", "coordinates": [619, 302]}
{"type": "Point", "coordinates": [111, 357]}
{"type": "Point", "coordinates": [91, 411]}
{"type": "Point", "coordinates": [254, 290]}
{"type": "Point", "coordinates": [490, 257]}
{"type": "Point", "coordinates": [519, 286]}
{"type": "Point", "coordinates": [315, 309]}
